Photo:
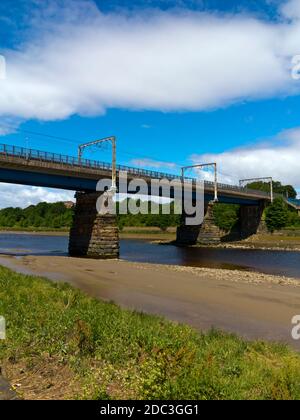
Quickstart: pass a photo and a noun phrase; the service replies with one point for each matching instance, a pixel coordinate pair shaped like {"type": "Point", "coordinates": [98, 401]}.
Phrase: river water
{"type": "Point", "coordinates": [272, 262]}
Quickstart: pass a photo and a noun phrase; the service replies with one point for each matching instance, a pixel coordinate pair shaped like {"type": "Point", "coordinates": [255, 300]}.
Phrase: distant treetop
{"type": "Point", "coordinates": [287, 190]}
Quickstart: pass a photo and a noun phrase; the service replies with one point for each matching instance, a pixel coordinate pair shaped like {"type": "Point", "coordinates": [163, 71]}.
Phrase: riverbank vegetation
{"type": "Point", "coordinates": [286, 190]}
{"type": "Point", "coordinates": [278, 216]}
{"type": "Point", "coordinates": [41, 216]}
{"type": "Point", "coordinates": [54, 216]}
{"type": "Point", "coordinates": [58, 216]}
{"type": "Point", "coordinates": [63, 344]}
{"type": "Point", "coordinates": [164, 218]}
{"type": "Point", "coordinates": [226, 216]}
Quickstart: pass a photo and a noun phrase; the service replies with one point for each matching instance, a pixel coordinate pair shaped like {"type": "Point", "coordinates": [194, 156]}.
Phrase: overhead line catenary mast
{"type": "Point", "coordinates": [74, 141]}
{"type": "Point", "coordinates": [113, 141]}
{"type": "Point", "coordinates": [268, 178]}
{"type": "Point", "coordinates": [202, 165]}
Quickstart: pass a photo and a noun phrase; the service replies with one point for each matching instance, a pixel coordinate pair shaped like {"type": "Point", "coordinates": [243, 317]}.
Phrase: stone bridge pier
{"type": "Point", "coordinates": [251, 220]}
{"type": "Point", "coordinates": [208, 233]}
{"type": "Point", "coordinates": [93, 235]}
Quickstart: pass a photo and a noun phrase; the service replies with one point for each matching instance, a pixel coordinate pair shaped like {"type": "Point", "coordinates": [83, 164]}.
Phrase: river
{"type": "Point", "coordinates": [285, 263]}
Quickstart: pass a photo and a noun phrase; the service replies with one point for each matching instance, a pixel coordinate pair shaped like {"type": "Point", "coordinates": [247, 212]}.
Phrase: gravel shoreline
{"type": "Point", "coordinates": [238, 245]}
{"type": "Point", "coordinates": [236, 276]}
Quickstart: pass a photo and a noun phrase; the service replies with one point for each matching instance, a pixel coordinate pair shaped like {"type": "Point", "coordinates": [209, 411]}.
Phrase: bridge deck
{"type": "Point", "coordinates": [34, 167]}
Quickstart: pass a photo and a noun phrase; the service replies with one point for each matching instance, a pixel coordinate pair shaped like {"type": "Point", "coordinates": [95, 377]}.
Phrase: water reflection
{"type": "Point", "coordinates": [273, 262]}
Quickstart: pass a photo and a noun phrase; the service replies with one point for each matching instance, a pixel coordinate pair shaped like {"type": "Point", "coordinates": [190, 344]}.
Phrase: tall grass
{"type": "Point", "coordinates": [117, 353]}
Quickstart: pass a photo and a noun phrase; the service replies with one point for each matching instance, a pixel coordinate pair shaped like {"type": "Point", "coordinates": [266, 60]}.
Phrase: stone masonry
{"type": "Point", "coordinates": [93, 235]}
{"type": "Point", "coordinates": [209, 233]}
{"type": "Point", "coordinates": [251, 220]}
{"type": "Point", "coordinates": [206, 233]}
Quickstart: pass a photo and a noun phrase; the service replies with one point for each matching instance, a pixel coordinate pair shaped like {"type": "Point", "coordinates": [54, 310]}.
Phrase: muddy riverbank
{"type": "Point", "coordinates": [253, 305]}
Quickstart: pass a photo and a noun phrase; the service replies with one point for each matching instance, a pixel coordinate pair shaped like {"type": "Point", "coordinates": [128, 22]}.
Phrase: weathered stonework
{"type": "Point", "coordinates": [251, 221]}
{"type": "Point", "coordinates": [93, 235]}
{"type": "Point", "coordinates": [187, 235]}
{"type": "Point", "coordinates": [207, 233]}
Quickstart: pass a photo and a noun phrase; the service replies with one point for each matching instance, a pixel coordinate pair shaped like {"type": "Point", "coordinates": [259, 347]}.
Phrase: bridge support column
{"type": "Point", "coordinates": [251, 221]}
{"type": "Point", "coordinates": [206, 234]}
{"type": "Point", "coordinates": [93, 235]}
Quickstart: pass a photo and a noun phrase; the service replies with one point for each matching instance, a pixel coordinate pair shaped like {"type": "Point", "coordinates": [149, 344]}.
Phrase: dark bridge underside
{"type": "Point", "coordinates": [81, 183]}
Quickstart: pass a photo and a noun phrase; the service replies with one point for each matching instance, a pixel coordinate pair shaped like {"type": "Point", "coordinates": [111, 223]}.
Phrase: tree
{"type": "Point", "coordinates": [226, 216]}
{"type": "Point", "coordinates": [161, 220]}
{"type": "Point", "coordinates": [290, 191]}
{"type": "Point", "coordinates": [293, 219]}
{"type": "Point", "coordinates": [286, 190]}
{"type": "Point", "coordinates": [54, 215]}
{"type": "Point", "coordinates": [276, 215]}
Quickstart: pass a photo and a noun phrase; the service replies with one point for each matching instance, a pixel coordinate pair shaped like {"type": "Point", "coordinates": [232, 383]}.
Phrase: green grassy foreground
{"type": "Point", "coordinates": [106, 352]}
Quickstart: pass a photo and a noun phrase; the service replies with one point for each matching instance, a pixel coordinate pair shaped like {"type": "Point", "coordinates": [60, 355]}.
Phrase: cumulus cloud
{"type": "Point", "coordinates": [9, 125]}
{"type": "Point", "coordinates": [77, 60]}
{"type": "Point", "coordinates": [4, 130]}
{"type": "Point", "coordinates": [277, 157]}
{"type": "Point", "coordinates": [21, 196]}
{"type": "Point", "coordinates": [291, 9]}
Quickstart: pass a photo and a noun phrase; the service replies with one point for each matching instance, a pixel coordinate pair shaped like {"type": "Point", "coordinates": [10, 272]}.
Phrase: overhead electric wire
{"type": "Point", "coordinates": [21, 130]}
{"type": "Point", "coordinates": [77, 142]}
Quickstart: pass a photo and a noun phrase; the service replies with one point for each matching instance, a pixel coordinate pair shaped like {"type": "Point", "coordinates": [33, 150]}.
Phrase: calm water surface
{"type": "Point", "coordinates": [273, 262]}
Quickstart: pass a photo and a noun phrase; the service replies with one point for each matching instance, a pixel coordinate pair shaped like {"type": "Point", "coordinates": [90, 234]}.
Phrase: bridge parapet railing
{"type": "Point", "coordinates": [49, 157]}
{"type": "Point", "coordinates": [294, 201]}
{"type": "Point", "coordinates": [32, 154]}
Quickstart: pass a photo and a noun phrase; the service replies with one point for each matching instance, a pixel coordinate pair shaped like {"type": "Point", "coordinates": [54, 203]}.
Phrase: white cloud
{"type": "Point", "coordinates": [150, 163]}
{"type": "Point", "coordinates": [22, 196]}
{"type": "Point", "coordinates": [9, 125]}
{"type": "Point", "coordinates": [79, 60]}
{"type": "Point", "coordinates": [277, 157]}
{"type": "Point", "coordinates": [291, 9]}
{"type": "Point", "coordinates": [4, 131]}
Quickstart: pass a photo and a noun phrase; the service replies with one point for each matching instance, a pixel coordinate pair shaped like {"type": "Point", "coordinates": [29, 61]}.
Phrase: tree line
{"type": "Point", "coordinates": [287, 191]}
{"type": "Point", "coordinates": [278, 214]}
{"type": "Point", "coordinates": [42, 215]}
{"type": "Point", "coordinates": [57, 216]}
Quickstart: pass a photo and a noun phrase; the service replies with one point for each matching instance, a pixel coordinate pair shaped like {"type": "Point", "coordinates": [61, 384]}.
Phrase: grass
{"type": "Point", "coordinates": [63, 344]}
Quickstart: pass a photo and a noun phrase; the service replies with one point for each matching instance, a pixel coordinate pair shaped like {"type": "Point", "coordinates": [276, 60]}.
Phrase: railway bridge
{"type": "Point", "coordinates": [94, 235]}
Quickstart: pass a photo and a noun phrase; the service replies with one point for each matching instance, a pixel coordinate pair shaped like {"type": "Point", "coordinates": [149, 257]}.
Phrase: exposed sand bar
{"type": "Point", "coordinates": [252, 305]}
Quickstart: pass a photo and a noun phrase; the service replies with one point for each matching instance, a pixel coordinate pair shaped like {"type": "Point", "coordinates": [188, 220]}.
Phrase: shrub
{"type": "Point", "coordinates": [276, 215]}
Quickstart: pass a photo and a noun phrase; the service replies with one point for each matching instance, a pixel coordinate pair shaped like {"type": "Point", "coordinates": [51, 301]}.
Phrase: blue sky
{"type": "Point", "coordinates": [178, 82]}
